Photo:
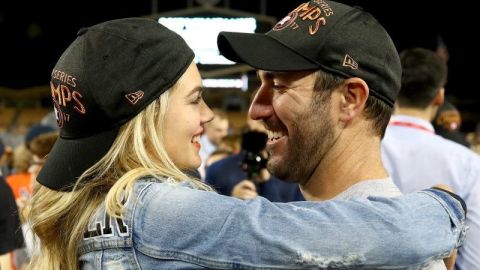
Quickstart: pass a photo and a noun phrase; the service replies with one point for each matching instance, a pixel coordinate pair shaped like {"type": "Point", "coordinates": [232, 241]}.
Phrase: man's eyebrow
{"type": "Point", "coordinates": [270, 74]}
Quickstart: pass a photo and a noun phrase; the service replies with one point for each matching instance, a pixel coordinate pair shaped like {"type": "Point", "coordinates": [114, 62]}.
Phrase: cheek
{"type": "Point", "coordinates": [180, 126]}
{"type": "Point", "coordinates": [287, 110]}
{"type": "Point", "coordinates": [189, 125]}
{"type": "Point", "coordinates": [173, 135]}
{"type": "Point", "coordinates": [170, 144]}
{"type": "Point", "coordinates": [181, 134]}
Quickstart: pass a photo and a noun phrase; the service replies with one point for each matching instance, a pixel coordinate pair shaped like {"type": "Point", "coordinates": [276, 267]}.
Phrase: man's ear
{"type": "Point", "coordinates": [354, 94]}
{"type": "Point", "coordinates": [439, 97]}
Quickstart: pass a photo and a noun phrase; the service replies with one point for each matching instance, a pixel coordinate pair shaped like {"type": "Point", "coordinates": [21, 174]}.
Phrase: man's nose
{"type": "Point", "coordinates": [261, 107]}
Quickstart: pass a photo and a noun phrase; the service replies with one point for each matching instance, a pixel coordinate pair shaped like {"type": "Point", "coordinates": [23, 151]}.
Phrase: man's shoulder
{"type": "Point", "coordinates": [375, 187]}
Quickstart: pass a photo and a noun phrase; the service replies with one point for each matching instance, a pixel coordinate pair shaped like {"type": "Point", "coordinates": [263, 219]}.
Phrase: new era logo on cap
{"type": "Point", "coordinates": [349, 62]}
{"type": "Point", "coordinates": [133, 98]}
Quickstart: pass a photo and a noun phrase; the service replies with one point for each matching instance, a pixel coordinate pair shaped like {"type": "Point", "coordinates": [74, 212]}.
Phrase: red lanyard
{"type": "Point", "coordinates": [410, 125]}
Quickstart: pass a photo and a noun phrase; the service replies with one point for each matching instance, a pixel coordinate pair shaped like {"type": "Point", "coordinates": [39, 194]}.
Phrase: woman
{"type": "Point", "coordinates": [114, 193]}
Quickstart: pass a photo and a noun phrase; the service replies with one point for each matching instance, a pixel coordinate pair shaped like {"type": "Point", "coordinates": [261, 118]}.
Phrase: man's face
{"type": "Point", "coordinates": [299, 125]}
{"type": "Point", "coordinates": [216, 130]}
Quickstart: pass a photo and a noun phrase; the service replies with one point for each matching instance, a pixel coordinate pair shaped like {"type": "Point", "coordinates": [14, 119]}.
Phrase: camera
{"type": "Point", "coordinates": [253, 142]}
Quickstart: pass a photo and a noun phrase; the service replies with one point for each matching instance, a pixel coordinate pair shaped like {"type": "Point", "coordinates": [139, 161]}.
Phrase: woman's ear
{"type": "Point", "coordinates": [354, 94]}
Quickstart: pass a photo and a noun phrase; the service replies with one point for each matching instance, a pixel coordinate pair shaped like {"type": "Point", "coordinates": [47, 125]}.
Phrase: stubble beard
{"type": "Point", "coordinates": [308, 142]}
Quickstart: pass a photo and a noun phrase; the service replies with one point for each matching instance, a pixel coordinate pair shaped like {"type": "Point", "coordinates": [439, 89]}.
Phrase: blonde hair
{"type": "Point", "coordinates": [60, 218]}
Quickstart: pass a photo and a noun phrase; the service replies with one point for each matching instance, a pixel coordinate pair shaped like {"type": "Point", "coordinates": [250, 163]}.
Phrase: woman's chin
{"type": "Point", "coordinates": [191, 167]}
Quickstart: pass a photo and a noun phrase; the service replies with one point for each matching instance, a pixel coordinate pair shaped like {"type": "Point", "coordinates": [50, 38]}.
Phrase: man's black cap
{"type": "Point", "coordinates": [109, 74]}
{"type": "Point", "coordinates": [325, 35]}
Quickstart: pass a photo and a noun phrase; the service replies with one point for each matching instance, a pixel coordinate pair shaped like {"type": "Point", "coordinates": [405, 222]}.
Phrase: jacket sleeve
{"type": "Point", "coordinates": [214, 231]}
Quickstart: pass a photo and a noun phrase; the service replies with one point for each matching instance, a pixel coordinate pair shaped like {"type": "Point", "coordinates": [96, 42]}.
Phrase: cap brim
{"type": "Point", "coordinates": [70, 158]}
{"type": "Point", "coordinates": [261, 52]}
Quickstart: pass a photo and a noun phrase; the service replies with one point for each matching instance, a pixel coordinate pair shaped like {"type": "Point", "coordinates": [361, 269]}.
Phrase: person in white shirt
{"type": "Point", "coordinates": [416, 157]}
{"type": "Point", "coordinates": [215, 131]}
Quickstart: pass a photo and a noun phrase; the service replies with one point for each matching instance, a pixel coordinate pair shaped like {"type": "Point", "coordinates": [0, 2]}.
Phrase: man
{"type": "Point", "coordinates": [416, 157]}
{"type": "Point", "coordinates": [329, 78]}
{"type": "Point", "coordinates": [211, 139]}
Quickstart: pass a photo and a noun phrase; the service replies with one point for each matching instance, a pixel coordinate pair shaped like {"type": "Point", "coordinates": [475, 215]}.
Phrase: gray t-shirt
{"type": "Point", "coordinates": [382, 188]}
{"type": "Point", "coordinates": [378, 187]}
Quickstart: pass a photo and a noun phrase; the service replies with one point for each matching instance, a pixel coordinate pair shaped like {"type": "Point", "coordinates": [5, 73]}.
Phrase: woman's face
{"type": "Point", "coordinates": [186, 115]}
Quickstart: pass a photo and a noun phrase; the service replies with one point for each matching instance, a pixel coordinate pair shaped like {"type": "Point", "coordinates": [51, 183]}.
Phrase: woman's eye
{"type": "Point", "coordinates": [197, 100]}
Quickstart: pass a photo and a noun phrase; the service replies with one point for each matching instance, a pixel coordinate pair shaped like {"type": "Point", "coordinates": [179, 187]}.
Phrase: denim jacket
{"type": "Point", "coordinates": [175, 226]}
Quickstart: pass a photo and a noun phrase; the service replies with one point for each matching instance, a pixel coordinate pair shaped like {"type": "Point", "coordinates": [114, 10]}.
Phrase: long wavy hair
{"type": "Point", "coordinates": [60, 218]}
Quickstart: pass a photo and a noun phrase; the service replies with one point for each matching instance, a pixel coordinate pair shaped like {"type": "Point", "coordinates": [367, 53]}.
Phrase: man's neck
{"type": "Point", "coordinates": [348, 162]}
{"type": "Point", "coordinates": [426, 114]}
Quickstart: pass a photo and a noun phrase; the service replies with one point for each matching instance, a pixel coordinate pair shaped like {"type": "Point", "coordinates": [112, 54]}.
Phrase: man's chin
{"type": "Point", "coordinates": [277, 168]}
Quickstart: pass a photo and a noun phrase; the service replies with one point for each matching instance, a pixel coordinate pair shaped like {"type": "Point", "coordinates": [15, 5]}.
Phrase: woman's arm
{"type": "Point", "coordinates": [207, 229]}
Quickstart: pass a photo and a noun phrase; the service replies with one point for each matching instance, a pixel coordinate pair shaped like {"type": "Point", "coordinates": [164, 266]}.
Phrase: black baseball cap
{"type": "Point", "coordinates": [109, 74]}
{"type": "Point", "coordinates": [325, 35]}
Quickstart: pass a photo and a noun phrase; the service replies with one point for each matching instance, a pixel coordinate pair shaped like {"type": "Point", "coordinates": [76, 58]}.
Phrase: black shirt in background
{"type": "Point", "coordinates": [11, 236]}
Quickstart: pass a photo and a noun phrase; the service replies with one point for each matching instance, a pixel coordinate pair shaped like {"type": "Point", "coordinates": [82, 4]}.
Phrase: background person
{"type": "Point", "coordinates": [11, 238]}
{"type": "Point", "coordinates": [416, 157]}
{"type": "Point", "coordinates": [211, 140]}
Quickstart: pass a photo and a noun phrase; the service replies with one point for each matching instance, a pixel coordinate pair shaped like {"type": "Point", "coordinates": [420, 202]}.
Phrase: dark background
{"type": "Point", "coordinates": [34, 34]}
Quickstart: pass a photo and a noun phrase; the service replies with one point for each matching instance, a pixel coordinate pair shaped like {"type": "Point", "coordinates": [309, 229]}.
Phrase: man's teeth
{"type": "Point", "coordinates": [274, 135]}
{"type": "Point", "coordinates": [195, 139]}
